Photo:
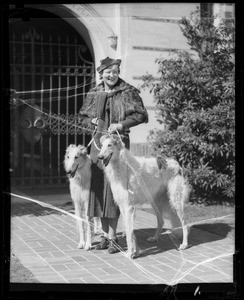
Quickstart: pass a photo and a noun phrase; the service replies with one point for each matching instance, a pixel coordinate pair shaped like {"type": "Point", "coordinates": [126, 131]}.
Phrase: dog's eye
{"type": "Point", "coordinates": [110, 145]}
{"type": "Point", "coordinates": [76, 157]}
{"type": "Point", "coordinates": [68, 156]}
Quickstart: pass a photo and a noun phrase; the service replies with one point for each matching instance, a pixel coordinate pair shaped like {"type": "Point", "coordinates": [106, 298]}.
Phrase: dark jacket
{"type": "Point", "coordinates": [125, 105]}
{"type": "Point", "coordinates": [122, 105]}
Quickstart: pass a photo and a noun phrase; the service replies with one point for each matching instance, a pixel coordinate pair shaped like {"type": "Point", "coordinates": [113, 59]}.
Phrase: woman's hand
{"type": "Point", "coordinates": [115, 127]}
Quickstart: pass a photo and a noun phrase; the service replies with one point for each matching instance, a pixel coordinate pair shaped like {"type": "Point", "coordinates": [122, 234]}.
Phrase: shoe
{"type": "Point", "coordinates": [112, 248]}
{"type": "Point", "coordinates": [103, 244]}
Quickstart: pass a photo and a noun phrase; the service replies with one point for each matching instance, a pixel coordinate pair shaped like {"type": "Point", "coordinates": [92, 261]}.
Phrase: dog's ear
{"type": "Point", "coordinates": [83, 149]}
{"type": "Point", "coordinates": [103, 138]}
{"type": "Point", "coordinates": [69, 147]}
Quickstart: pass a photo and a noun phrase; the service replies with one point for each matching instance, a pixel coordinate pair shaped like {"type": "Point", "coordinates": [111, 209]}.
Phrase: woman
{"type": "Point", "coordinates": [113, 105]}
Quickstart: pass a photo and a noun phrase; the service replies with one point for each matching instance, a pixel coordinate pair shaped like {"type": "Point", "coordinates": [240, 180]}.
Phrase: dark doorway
{"type": "Point", "coordinates": [51, 70]}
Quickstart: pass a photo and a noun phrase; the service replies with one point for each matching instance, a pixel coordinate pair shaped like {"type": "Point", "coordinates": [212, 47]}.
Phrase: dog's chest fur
{"type": "Point", "coordinates": [131, 180]}
{"type": "Point", "coordinates": [82, 178]}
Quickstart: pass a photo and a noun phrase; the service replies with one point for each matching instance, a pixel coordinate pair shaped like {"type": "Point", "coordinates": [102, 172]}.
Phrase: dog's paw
{"type": "Point", "coordinates": [88, 247]}
{"type": "Point", "coordinates": [183, 246]}
{"type": "Point", "coordinates": [81, 245]}
{"type": "Point", "coordinates": [152, 239]}
{"type": "Point", "coordinates": [132, 255]}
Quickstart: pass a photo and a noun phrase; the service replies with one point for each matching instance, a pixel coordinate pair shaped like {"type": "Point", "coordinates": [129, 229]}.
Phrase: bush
{"type": "Point", "coordinates": [195, 101]}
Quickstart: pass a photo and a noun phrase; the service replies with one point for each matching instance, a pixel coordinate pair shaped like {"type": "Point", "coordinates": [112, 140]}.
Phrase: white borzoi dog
{"type": "Point", "coordinates": [77, 165]}
{"type": "Point", "coordinates": [138, 180]}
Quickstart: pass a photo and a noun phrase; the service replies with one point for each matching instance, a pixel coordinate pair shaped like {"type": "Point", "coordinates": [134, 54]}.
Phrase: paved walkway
{"type": "Point", "coordinates": [45, 241]}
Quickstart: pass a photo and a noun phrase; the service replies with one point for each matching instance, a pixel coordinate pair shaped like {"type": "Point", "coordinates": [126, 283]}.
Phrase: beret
{"type": "Point", "coordinates": [104, 63]}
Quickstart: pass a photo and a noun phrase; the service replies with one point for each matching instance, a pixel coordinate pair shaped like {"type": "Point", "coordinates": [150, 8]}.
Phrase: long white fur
{"type": "Point", "coordinates": [138, 180]}
{"type": "Point", "coordinates": [76, 157]}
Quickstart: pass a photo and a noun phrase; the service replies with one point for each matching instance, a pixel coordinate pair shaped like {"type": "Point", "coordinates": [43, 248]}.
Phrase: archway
{"type": "Point", "coordinates": [52, 69]}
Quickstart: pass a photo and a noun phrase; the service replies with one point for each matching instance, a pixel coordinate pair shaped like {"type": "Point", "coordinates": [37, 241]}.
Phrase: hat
{"type": "Point", "coordinates": [108, 62]}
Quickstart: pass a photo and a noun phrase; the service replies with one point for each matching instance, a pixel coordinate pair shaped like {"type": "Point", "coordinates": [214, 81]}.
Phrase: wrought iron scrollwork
{"type": "Point", "coordinates": [39, 123]}
{"type": "Point", "coordinates": [60, 124]}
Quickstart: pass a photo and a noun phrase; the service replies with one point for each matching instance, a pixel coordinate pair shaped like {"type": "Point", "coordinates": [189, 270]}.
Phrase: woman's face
{"type": "Point", "coordinates": [111, 75]}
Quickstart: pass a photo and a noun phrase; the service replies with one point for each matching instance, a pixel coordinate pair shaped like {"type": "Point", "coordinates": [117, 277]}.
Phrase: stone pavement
{"type": "Point", "coordinates": [45, 241]}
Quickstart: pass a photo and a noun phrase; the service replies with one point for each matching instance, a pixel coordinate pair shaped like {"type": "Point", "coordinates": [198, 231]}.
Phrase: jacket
{"type": "Point", "coordinates": [125, 105]}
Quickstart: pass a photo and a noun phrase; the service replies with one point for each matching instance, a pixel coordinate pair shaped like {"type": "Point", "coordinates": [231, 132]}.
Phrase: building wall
{"type": "Point", "coordinates": [223, 10]}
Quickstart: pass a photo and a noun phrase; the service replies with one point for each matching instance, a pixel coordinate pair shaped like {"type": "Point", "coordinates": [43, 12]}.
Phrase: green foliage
{"type": "Point", "coordinates": [195, 101]}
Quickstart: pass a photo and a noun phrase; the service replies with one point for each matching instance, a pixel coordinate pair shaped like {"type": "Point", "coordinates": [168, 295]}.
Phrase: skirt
{"type": "Point", "coordinates": [101, 202]}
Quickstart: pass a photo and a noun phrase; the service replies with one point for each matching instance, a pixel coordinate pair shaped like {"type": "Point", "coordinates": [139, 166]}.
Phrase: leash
{"type": "Point", "coordinates": [109, 134]}
{"type": "Point", "coordinates": [95, 144]}
{"type": "Point", "coordinates": [93, 141]}
{"type": "Point", "coordinates": [89, 144]}
{"type": "Point", "coordinates": [120, 138]}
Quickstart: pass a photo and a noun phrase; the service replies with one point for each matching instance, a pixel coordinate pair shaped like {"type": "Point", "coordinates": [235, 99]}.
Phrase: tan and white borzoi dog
{"type": "Point", "coordinates": [77, 165]}
{"type": "Point", "coordinates": [138, 180]}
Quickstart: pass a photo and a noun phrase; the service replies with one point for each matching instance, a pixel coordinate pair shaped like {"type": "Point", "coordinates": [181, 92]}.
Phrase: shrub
{"type": "Point", "coordinates": [195, 100]}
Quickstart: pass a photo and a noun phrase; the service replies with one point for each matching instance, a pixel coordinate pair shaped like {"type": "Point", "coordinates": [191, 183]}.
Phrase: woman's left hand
{"type": "Point", "coordinates": [115, 127]}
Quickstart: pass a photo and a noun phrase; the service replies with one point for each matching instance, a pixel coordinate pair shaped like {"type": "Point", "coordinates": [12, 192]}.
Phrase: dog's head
{"type": "Point", "coordinates": [110, 148]}
{"type": "Point", "coordinates": [75, 157]}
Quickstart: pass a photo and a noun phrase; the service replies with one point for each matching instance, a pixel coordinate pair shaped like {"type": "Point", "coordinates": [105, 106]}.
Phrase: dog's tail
{"type": "Point", "coordinates": [178, 191]}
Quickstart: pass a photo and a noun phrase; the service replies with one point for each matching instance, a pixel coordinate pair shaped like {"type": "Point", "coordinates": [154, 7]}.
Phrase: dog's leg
{"type": "Point", "coordinates": [89, 222]}
{"type": "Point", "coordinates": [181, 214]}
{"type": "Point", "coordinates": [89, 231]}
{"type": "Point", "coordinates": [80, 225]}
{"type": "Point", "coordinates": [157, 207]}
{"type": "Point", "coordinates": [132, 248]}
{"type": "Point", "coordinates": [123, 222]}
{"type": "Point", "coordinates": [178, 193]}
{"type": "Point", "coordinates": [184, 244]}
{"type": "Point", "coordinates": [178, 222]}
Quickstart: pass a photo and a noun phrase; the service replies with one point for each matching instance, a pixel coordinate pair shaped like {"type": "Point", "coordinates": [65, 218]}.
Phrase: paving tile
{"type": "Point", "coordinates": [57, 280]}
{"type": "Point", "coordinates": [80, 271]}
{"type": "Point", "coordinates": [57, 261]}
{"type": "Point", "coordinates": [211, 278]}
{"type": "Point", "coordinates": [64, 246]}
{"type": "Point", "coordinates": [77, 275]}
{"type": "Point", "coordinates": [193, 279]}
{"type": "Point", "coordinates": [117, 277]}
{"type": "Point", "coordinates": [138, 277]}
{"type": "Point", "coordinates": [73, 266]}
{"type": "Point", "coordinates": [119, 263]}
{"type": "Point", "coordinates": [79, 258]}
{"type": "Point", "coordinates": [76, 252]}
{"type": "Point", "coordinates": [51, 279]}
{"type": "Point", "coordinates": [111, 270]}
{"type": "Point", "coordinates": [58, 254]}
{"type": "Point", "coordinates": [35, 263]}
{"type": "Point", "coordinates": [94, 266]}
{"type": "Point", "coordinates": [47, 272]}
{"type": "Point", "coordinates": [76, 280]}
{"type": "Point", "coordinates": [91, 279]}
{"type": "Point", "coordinates": [46, 267]}
{"type": "Point", "coordinates": [59, 267]}
{"type": "Point", "coordinates": [126, 281]}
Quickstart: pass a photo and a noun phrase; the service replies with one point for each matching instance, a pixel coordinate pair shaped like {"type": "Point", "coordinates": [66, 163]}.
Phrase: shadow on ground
{"type": "Point", "coordinates": [199, 234]}
{"type": "Point", "coordinates": [22, 209]}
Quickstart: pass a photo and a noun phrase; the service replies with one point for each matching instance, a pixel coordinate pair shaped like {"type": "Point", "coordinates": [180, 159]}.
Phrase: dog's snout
{"type": "Point", "coordinates": [100, 156]}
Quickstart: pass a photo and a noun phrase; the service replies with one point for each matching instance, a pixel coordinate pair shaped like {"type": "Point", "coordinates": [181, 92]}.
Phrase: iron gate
{"type": "Point", "coordinates": [51, 79]}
